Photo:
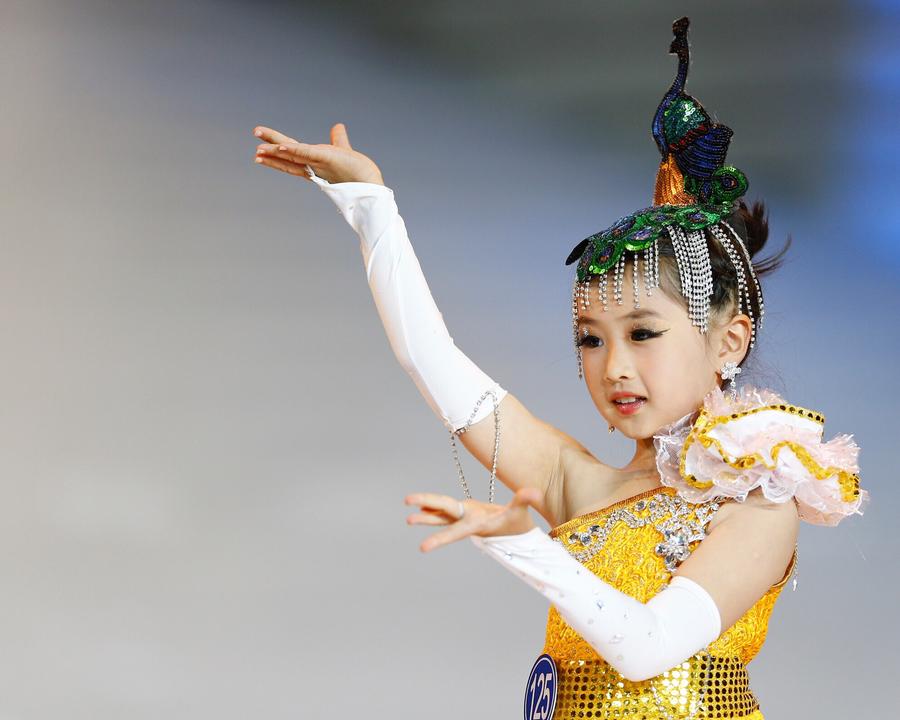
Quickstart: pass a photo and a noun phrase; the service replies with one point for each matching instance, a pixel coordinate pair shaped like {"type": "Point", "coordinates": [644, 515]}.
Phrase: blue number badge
{"type": "Point", "coordinates": [540, 692]}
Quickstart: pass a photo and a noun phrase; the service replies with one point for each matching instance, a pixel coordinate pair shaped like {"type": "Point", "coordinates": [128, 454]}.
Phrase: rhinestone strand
{"type": "Point", "coordinates": [463, 429]}
{"type": "Point", "coordinates": [701, 272]}
{"type": "Point", "coordinates": [655, 247]}
{"type": "Point", "coordinates": [796, 565]}
{"type": "Point", "coordinates": [753, 320]}
{"type": "Point", "coordinates": [634, 280]}
{"type": "Point", "coordinates": [648, 252]}
{"type": "Point", "coordinates": [575, 289]}
{"type": "Point", "coordinates": [676, 234]}
{"type": "Point", "coordinates": [620, 273]}
{"type": "Point", "coordinates": [728, 246]}
{"type": "Point", "coordinates": [665, 512]}
{"type": "Point", "coordinates": [762, 305]}
{"type": "Point", "coordinates": [744, 304]}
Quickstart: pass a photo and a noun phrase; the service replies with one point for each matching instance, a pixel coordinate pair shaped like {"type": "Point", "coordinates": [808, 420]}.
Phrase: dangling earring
{"type": "Point", "coordinates": [612, 429]}
{"type": "Point", "coordinates": [730, 371]}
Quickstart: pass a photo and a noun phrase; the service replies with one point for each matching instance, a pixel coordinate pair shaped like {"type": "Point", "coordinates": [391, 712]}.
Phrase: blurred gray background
{"type": "Point", "coordinates": [205, 437]}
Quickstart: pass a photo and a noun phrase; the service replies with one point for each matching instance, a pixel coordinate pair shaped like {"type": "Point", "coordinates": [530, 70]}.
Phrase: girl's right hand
{"type": "Point", "coordinates": [471, 517]}
{"type": "Point", "coordinates": [336, 163]}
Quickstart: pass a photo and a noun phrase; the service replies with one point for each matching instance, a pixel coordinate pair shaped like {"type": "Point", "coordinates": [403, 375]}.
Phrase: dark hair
{"type": "Point", "coordinates": [752, 226]}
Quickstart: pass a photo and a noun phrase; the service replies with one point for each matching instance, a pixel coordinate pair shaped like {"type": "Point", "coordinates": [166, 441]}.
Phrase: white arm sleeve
{"type": "Point", "coordinates": [448, 380]}
{"type": "Point", "coordinates": [640, 640]}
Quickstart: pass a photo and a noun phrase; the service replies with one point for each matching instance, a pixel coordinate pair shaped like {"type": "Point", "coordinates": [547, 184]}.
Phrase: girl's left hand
{"type": "Point", "coordinates": [479, 518]}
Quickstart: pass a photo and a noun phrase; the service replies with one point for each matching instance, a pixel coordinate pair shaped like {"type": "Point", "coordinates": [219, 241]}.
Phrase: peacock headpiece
{"type": "Point", "coordinates": [694, 191]}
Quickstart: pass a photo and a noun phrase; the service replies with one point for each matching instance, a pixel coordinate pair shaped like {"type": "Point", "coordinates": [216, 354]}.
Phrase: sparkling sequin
{"type": "Point", "coordinates": [710, 688]}
{"type": "Point", "coordinates": [668, 513]}
{"type": "Point", "coordinates": [683, 115]}
{"type": "Point", "coordinates": [622, 550]}
{"type": "Point", "coordinates": [601, 251]}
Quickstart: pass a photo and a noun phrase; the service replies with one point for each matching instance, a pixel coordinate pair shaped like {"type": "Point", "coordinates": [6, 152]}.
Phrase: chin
{"type": "Point", "coordinates": [628, 429]}
{"type": "Point", "coordinates": [638, 428]}
{"type": "Point", "coordinates": [636, 434]}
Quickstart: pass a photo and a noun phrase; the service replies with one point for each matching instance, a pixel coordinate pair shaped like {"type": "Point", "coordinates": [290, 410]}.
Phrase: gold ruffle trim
{"type": "Point", "coordinates": [848, 482]}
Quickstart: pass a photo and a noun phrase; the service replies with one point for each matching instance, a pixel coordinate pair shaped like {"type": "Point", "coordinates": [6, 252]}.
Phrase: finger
{"type": "Point", "coordinates": [339, 136]}
{"type": "Point", "coordinates": [432, 511]}
{"type": "Point", "coordinates": [428, 519]}
{"type": "Point", "coordinates": [291, 168]}
{"type": "Point", "coordinates": [273, 151]}
{"type": "Point", "coordinates": [270, 135]}
{"type": "Point", "coordinates": [457, 531]}
{"type": "Point", "coordinates": [284, 152]}
{"type": "Point", "coordinates": [438, 502]}
{"type": "Point", "coordinates": [298, 152]}
{"type": "Point", "coordinates": [306, 153]}
{"type": "Point", "coordinates": [270, 150]}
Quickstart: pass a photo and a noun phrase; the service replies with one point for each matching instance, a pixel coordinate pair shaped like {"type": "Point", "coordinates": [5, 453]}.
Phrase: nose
{"type": "Point", "coordinates": [618, 363]}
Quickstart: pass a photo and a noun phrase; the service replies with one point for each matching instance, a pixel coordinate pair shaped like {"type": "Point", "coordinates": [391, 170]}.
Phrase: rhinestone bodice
{"type": "Point", "coordinates": [635, 545]}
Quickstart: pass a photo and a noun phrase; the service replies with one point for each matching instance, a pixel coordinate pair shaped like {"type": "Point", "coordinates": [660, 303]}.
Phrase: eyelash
{"type": "Point", "coordinates": [650, 334]}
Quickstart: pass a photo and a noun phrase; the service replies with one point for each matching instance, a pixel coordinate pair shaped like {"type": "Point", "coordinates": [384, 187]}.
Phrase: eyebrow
{"type": "Point", "coordinates": [633, 315]}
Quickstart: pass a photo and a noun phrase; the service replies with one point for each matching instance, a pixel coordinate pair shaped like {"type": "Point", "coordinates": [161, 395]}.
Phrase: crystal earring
{"type": "Point", "coordinates": [612, 429]}
{"type": "Point", "coordinates": [730, 371]}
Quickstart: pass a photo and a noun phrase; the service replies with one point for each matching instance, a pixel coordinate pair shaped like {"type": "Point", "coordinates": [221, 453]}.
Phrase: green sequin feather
{"type": "Point", "coordinates": [639, 230]}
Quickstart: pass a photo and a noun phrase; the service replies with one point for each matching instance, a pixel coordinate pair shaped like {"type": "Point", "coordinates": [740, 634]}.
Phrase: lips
{"type": "Point", "coordinates": [628, 403]}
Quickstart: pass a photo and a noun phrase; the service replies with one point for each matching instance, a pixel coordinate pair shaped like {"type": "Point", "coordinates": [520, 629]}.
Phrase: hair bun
{"type": "Point", "coordinates": [752, 224]}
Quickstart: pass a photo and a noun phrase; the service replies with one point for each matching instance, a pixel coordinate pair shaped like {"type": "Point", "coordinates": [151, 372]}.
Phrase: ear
{"type": "Point", "coordinates": [734, 339]}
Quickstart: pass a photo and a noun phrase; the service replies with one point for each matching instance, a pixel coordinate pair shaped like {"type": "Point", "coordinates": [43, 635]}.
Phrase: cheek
{"type": "Point", "coordinates": [593, 379]}
{"type": "Point", "coordinates": [675, 373]}
{"type": "Point", "coordinates": [688, 376]}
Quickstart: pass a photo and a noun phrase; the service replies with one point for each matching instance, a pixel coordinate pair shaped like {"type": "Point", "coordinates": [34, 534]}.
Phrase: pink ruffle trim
{"type": "Point", "coordinates": [821, 501]}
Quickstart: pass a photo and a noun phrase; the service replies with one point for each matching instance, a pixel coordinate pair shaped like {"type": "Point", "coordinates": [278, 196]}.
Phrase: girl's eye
{"type": "Point", "coordinates": [644, 334]}
{"type": "Point", "coordinates": [590, 340]}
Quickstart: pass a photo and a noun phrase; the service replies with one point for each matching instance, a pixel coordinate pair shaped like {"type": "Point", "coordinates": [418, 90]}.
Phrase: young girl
{"type": "Point", "coordinates": [646, 620]}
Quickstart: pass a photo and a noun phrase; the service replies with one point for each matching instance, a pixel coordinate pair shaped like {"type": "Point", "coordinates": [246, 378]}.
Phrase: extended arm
{"type": "Point", "coordinates": [747, 549]}
{"type": "Point", "coordinates": [640, 640]}
{"type": "Point", "coordinates": [445, 376]}
{"type": "Point", "coordinates": [531, 449]}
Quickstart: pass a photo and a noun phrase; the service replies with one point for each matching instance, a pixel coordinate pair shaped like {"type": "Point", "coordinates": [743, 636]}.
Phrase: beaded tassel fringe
{"type": "Point", "coordinates": [694, 274]}
{"type": "Point", "coordinates": [582, 290]}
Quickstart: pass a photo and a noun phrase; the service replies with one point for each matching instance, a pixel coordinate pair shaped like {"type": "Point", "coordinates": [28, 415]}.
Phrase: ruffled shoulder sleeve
{"type": "Point", "coordinates": [756, 439]}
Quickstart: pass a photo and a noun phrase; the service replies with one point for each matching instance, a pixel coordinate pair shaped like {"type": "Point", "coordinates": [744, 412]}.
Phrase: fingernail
{"type": "Point", "coordinates": [259, 160]}
{"type": "Point", "coordinates": [258, 133]}
{"type": "Point", "coordinates": [282, 147]}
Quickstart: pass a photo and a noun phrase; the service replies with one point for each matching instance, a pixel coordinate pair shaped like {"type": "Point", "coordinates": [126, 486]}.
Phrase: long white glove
{"type": "Point", "coordinates": [448, 380]}
{"type": "Point", "coordinates": [640, 640]}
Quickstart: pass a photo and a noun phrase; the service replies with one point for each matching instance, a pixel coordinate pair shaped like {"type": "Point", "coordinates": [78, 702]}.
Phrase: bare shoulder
{"type": "Point", "coordinates": [748, 549]}
{"type": "Point", "coordinates": [585, 483]}
{"type": "Point", "coordinates": [560, 491]}
{"type": "Point", "coordinates": [756, 510]}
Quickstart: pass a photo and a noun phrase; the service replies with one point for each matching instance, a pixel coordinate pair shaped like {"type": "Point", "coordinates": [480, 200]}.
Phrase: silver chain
{"type": "Point", "coordinates": [796, 567]}
{"type": "Point", "coordinates": [463, 429]}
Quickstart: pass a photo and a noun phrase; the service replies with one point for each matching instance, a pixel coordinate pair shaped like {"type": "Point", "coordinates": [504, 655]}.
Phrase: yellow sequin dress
{"type": "Point", "coordinates": [635, 545]}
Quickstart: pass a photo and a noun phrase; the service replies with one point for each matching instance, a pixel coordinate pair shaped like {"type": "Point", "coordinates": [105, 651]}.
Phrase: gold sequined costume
{"type": "Point", "coordinates": [635, 545]}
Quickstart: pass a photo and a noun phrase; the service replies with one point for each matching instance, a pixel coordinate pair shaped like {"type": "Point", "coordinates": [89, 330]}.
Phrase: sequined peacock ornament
{"type": "Point", "coordinates": [694, 191]}
{"type": "Point", "coordinates": [693, 147]}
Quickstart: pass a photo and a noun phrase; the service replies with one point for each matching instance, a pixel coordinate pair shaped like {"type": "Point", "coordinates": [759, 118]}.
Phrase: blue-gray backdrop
{"type": "Point", "coordinates": [205, 439]}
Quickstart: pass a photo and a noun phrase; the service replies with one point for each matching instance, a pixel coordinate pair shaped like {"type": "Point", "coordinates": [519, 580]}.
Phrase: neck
{"type": "Point", "coordinates": [644, 459]}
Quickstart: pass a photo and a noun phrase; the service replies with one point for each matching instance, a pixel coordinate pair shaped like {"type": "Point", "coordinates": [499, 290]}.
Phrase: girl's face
{"type": "Point", "coordinates": [652, 352]}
